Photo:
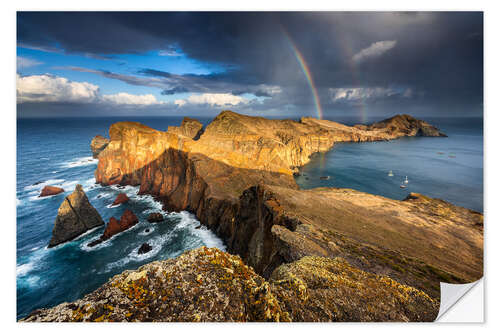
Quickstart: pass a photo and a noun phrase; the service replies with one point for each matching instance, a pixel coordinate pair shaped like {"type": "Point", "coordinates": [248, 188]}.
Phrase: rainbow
{"type": "Point", "coordinates": [307, 73]}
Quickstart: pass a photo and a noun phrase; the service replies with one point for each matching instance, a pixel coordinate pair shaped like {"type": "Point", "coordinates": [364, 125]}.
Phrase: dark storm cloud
{"type": "Point", "coordinates": [438, 56]}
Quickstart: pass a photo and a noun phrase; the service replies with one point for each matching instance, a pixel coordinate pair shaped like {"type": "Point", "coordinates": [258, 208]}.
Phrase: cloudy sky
{"type": "Point", "coordinates": [326, 64]}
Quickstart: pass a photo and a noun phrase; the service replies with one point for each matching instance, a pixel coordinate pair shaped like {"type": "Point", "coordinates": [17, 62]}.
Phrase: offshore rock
{"type": "Point", "coordinates": [50, 190]}
{"type": "Point", "coordinates": [238, 180]}
{"type": "Point", "coordinates": [98, 144]}
{"type": "Point", "coordinates": [75, 216]}
{"type": "Point", "coordinates": [211, 285]}
{"type": "Point", "coordinates": [115, 226]}
{"type": "Point", "coordinates": [155, 217]}
{"type": "Point", "coordinates": [120, 198]}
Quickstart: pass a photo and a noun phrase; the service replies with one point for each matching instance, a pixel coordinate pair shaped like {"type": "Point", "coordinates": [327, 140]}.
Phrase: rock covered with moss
{"type": "Point", "coordinates": [211, 285]}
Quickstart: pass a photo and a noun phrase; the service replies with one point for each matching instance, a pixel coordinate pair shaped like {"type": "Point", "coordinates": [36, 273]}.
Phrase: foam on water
{"type": "Point", "coordinates": [79, 162]}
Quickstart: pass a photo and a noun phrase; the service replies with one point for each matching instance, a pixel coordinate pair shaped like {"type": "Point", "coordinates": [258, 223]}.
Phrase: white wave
{"type": "Point", "coordinates": [39, 186]}
{"type": "Point", "coordinates": [113, 206]}
{"type": "Point", "coordinates": [19, 202]}
{"type": "Point", "coordinates": [79, 162]}
{"type": "Point", "coordinates": [156, 243]}
{"type": "Point", "coordinates": [208, 238]}
{"type": "Point", "coordinates": [23, 269]}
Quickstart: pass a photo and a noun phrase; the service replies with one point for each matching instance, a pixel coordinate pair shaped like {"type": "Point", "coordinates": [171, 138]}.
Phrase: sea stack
{"type": "Point", "coordinates": [75, 216]}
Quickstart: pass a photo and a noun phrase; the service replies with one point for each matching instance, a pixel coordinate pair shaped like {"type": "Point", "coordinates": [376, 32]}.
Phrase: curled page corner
{"type": "Point", "coordinates": [452, 294]}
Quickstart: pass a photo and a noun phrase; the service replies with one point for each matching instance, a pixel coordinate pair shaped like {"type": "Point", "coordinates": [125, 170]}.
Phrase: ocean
{"type": "Point", "coordinates": [56, 152]}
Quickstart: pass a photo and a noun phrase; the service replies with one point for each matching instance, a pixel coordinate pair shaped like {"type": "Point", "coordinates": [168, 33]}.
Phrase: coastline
{"type": "Point", "coordinates": [250, 208]}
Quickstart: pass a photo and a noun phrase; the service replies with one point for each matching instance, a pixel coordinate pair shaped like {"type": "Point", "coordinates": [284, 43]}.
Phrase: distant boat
{"type": "Point", "coordinates": [390, 173]}
{"type": "Point", "coordinates": [402, 186]}
{"type": "Point", "coordinates": [324, 177]}
{"type": "Point", "coordinates": [406, 180]}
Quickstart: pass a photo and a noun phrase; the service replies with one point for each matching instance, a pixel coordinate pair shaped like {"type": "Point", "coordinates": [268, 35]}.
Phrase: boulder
{"type": "Point", "coordinates": [155, 217]}
{"type": "Point", "coordinates": [50, 190]}
{"type": "Point", "coordinates": [121, 198]}
{"type": "Point", "coordinates": [115, 226]}
{"type": "Point", "coordinates": [75, 216]}
{"type": "Point", "coordinates": [145, 248]}
{"type": "Point", "coordinates": [98, 144]}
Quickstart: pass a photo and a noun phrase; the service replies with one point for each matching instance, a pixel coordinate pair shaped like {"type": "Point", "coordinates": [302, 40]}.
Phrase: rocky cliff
{"type": "Point", "coordinates": [236, 175]}
{"type": "Point", "coordinates": [75, 216]}
{"type": "Point", "coordinates": [238, 179]}
{"type": "Point", "coordinates": [211, 285]}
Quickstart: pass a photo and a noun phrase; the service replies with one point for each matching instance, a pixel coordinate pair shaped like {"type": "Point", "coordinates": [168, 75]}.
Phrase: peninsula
{"type": "Point", "coordinates": [325, 254]}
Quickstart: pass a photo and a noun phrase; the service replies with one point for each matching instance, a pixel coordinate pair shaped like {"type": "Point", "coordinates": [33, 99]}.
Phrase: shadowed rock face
{"type": "Point", "coordinates": [329, 254]}
{"type": "Point", "coordinates": [98, 144]}
{"type": "Point", "coordinates": [75, 216]}
{"type": "Point", "coordinates": [211, 285]}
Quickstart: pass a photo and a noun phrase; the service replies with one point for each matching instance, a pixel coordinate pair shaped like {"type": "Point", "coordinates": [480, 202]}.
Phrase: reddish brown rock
{"type": "Point", "coordinates": [74, 217]}
{"type": "Point", "coordinates": [98, 144]}
{"type": "Point", "coordinates": [120, 198]}
{"type": "Point", "coordinates": [115, 226]}
{"type": "Point", "coordinates": [50, 190]}
{"type": "Point", "coordinates": [155, 217]}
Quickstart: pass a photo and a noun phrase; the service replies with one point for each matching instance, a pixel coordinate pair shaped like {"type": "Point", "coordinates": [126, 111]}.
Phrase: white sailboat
{"type": "Point", "coordinates": [390, 173]}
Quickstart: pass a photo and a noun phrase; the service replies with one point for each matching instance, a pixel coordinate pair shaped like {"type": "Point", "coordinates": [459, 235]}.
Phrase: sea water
{"type": "Point", "coordinates": [448, 168]}
{"type": "Point", "coordinates": [56, 152]}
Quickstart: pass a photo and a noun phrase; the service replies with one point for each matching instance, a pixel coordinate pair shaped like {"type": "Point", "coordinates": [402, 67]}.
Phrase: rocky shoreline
{"type": "Point", "coordinates": [236, 175]}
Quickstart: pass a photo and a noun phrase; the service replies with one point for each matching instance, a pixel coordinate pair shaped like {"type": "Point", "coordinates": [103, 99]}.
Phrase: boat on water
{"type": "Point", "coordinates": [406, 180]}
{"type": "Point", "coordinates": [390, 174]}
{"type": "Point", "coordinates": [402, 186]}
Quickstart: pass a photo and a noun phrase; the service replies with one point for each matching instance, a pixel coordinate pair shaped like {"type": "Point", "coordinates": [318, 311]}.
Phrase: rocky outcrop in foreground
{"type": "Point", "coordinates": [50, 190]}
{"type": "Point", "coordinates": [75, 216]}
{"type": "Point", "coordinates": [211, 285]}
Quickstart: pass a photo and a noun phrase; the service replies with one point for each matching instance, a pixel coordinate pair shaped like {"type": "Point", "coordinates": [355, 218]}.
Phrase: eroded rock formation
{"type": "Point", "coordinates": [50, 190]}
{"type": "Point", "coordinates": [238, 179]}
{"type": "Point", "coordinates": [211, 285]}
{"type": "Point", "coordinates": [75, 216]}
{"type": "Point", "coordinates": [115, 226]}
{"type": "Point", "coordinates": [120, 198]}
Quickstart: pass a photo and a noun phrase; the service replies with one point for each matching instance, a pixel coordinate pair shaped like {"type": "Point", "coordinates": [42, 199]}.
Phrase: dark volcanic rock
{"type": "Point", "coordinates": [75, 216]}
{"type": "Point", "coordinates": [50, 190]}
{"type": "Point", "coordinates": [145, 248]}
{"type": "Point", "coordinates": [115, 226]}
{"type": "Point", "coordinates": [98, 144]}
{"type": "Point", "coordinates": [120, 198]}
{"type": "Point", "coordinates": [155, 217]}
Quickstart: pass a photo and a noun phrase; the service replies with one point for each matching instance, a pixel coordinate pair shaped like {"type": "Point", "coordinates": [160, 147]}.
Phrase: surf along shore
{"type": "Point", "coordinates": [325, 254]}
